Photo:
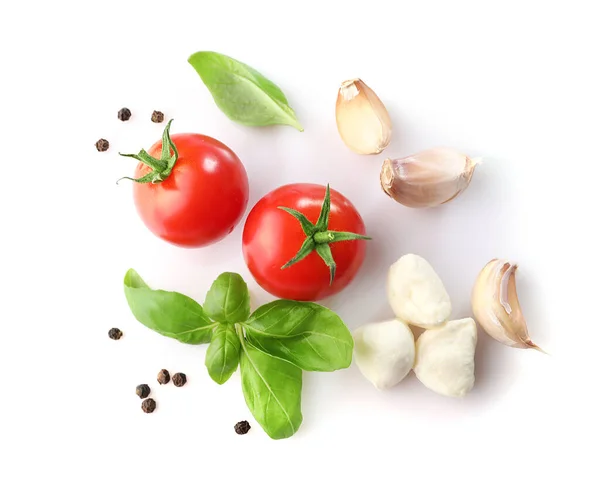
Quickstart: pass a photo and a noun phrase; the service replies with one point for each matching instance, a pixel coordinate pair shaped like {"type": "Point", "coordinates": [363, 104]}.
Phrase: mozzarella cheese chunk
{"type": "Point", "coordinates": [384, 352]}
{"type": "Point", "coordinates": [416, 293]}
{"type": "Point", "coordinates": [445, 357]}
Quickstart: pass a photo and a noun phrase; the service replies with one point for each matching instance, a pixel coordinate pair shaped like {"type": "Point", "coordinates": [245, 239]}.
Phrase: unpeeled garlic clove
{"type": "Point", "coordinates": [429, 178]}
{"type": "Point", "coordinates": [416, 293]}
{"type": "Point", "coordinates": [445, 358]}
{"type": "Point", "coordinates": [496, 305]}
{"type": "Point", "coordinates": [384, 352]}
{"type": "Point", "coordinates": [362, 120]}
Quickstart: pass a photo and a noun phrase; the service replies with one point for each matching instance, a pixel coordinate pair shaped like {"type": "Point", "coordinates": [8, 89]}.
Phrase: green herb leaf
{"type": "Point", "coordinates": [228, 300]}
{"type": "Point", "coordinates": [169, 313]}
{"type": "Point", "coordinates": [306, 334]}
{"type": "Point", "coordinates": [223, 353]}
{"type": "Point", "coordinates": [242, 93]}
{"type": "Point", "coordinates": [272, 388]}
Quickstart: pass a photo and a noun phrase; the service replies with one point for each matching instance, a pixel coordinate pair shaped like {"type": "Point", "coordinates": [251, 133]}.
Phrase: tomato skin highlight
{"type": "Point", "coordinates": [202, 200]}
{"type": "Point", "coordinates": [272, 237]}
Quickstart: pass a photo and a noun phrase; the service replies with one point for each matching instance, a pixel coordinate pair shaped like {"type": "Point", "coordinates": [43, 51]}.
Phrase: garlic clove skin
{"type": "Point", "coordinates": [445, 358]}
{"type": "Point", "coordinates": [416, 293]}
{"type": "Point", "coordinates": [429, 178]}
{"type": "Point", "coordinates": [496, 305]}
{"type": "Point", "coordinates": [384, 352]}
{"type": "Point", "coordinates": [363, 122]}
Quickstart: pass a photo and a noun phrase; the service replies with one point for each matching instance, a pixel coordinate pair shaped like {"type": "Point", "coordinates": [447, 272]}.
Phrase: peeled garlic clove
{"type": "Point", "coordinates": [429, 178]}
{"type": "Point", "coordinates": [496, 305]}
{"type": "Point", "coordinates": [416, 293]}
{"type": "Point", "coordinates": [384, 352]}
{"type": "Point", "coordinates": [445, 358]}
{"type": "Point", "coordinates": [362, 120]}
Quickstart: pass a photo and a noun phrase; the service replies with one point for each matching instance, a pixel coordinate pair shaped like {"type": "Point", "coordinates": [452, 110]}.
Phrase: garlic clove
{"type": "Point", "coordinates": [429, 178]}
{"type": "Point", "coordinates": [496, 305]}
{"type": "Point", "coordinates": [362, 120]}
{"type": "Point", "coordinates": [416, 293]}
{"type": "Point", "coordinates": [445, 358]}
{"type": "Point", "coordinates": [384, 352]}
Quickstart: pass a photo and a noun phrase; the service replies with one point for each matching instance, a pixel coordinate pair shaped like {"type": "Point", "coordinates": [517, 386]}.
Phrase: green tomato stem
{"type": "Point", "coordinates": [160, 168]}
{"type": "Point", "coordinates": [318, 237]}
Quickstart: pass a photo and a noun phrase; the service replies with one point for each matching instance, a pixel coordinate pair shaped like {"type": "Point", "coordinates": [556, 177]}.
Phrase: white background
{"type": "Point", "coordinates": [514, 82]}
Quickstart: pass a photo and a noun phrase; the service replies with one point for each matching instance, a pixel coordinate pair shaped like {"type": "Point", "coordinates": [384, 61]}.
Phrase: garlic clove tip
{"type": "Point", "coordinates": [531, 345]}
{"type": "Point", "coordinates": [475, 162]}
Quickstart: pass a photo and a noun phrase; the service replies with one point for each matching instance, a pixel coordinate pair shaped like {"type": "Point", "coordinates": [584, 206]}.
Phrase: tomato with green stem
{"type": "Point", "coordinates": [189, 189]}
{"type": "Point", "coordinates": [304, 242]}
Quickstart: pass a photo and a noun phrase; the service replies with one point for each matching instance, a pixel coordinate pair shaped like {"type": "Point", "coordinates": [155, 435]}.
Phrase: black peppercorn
{"type": "Point", "coordinates": [115, 333]}
{"type": "Point", "coordinates": [102, 145]}
{"type": "Point", "coordinates": [124, 114]}
{"type": "Point", "coordinates": [163, 377]}
{"type": "Point", "coordinates": [142, 391]}
{"type": "Point", "coordinates": [148, 406]}
{"type": "Point", "coordinates": [179, 379]}
{"type": "Point", "coordinates": [157, 116]}
{"type": "Point", "coordinates": [242, 427]}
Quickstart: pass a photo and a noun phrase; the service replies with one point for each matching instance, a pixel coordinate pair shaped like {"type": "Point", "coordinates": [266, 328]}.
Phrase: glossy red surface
{"type": "Point", "coordinates": [202, 200]}
{"type": "Point", "coordinates": [272, 237]}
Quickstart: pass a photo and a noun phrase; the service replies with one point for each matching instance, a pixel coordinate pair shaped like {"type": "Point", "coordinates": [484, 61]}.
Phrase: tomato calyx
{"type": "Point", "coordinates": [161, 168]}
{"type": "Point", "coordinates": [318, 237]}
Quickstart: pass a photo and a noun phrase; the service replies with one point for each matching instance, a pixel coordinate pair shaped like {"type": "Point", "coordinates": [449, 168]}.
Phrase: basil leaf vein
{"type": "Point", "coordinates": [223, 353]}
{"type": "Point", "coordinates": [314, 339]}
{"type": "Point", "coordinates": [228, 299]}
{"type": "Point", "coordinates": [272, 389]}
{"type": "Point", "coordinates": [241, 92]}
{"type": "Point", "coordinates": [171, 314]}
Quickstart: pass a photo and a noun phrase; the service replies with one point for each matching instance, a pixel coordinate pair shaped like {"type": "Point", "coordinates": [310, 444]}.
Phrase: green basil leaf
{"type": "Point", "coordinates": [242, 93]}
{"type": "Point", "coordinates": [308, 335]}
{"type": "Point", "coordinates": [228, 300]}
{"type": "Point", "coordinates": [223, 353]}
{"type": "Point", "coordinates": [272, 388]}
{"type": "Point", "coordinates": [169, 313]}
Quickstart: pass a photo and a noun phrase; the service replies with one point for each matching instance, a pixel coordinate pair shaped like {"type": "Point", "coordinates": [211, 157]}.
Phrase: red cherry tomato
{"type": "Point", "coordinates": [203, 198]}
{"type": "Point", "coordinates": [272, 237]}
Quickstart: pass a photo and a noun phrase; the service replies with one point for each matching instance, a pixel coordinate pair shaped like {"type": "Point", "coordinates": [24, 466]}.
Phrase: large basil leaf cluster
{"type": "Point", "coordinates": [271, 346]}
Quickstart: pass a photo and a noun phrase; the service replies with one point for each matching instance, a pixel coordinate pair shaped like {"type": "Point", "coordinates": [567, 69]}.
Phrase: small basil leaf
{"type": "Point", "coordinates": [308, 335]}
{"type": "Point", "coordinates": [228, 300]}
{"type": "Point", "coordinates": [169, 313]}
{"type": "Point", "coordinates": [223, 353]}
{"type": "Point", "coordinates": [242, 93]}
{"type": "Point", "coordinates": [272, 388]}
